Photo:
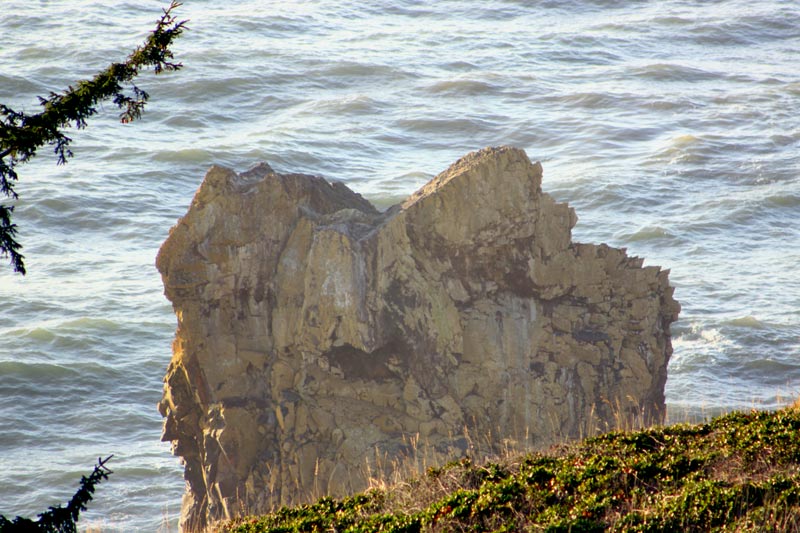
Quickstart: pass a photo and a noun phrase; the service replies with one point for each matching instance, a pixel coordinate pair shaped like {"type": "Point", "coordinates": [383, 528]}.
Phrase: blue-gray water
{"type": "Point", "coordinates": [672, 127]}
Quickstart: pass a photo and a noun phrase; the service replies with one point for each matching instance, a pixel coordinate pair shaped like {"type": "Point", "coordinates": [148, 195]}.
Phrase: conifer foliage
{"type": "Point", "coordinates": [22, 134]}
{"type": "Point", "coordinates": [61, 519]}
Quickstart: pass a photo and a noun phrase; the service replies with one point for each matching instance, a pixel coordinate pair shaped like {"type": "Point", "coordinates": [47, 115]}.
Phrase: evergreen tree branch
{"type": "Point", "coordinates": [21, 135]}
{"type": "Point", "coordinates": [61, 519]}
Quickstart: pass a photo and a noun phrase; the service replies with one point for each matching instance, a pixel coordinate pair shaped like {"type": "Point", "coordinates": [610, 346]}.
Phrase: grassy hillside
{"type": "Point", "coordinates": [739, 472]}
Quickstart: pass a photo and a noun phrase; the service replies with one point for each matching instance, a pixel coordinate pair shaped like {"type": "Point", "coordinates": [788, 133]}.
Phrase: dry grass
{"type": "Point", "coordinates": [740, 472]}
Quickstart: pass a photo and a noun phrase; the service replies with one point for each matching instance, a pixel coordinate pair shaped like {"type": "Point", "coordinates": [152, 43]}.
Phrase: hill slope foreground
{"type": "Point", "coordinates": [739, 472]}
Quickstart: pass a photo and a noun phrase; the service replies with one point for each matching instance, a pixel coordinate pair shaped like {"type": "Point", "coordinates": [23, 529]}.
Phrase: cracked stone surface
{"type": "Point", "coordinates": [319, 338]}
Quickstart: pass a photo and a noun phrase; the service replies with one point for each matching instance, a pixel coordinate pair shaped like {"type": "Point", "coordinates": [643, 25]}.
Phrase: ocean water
{"type": "Point", "coordinates": [671, 127]}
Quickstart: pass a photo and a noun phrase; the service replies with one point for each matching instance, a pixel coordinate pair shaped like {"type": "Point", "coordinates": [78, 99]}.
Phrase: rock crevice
{"type": "Point", "coordinates": [316, 333]}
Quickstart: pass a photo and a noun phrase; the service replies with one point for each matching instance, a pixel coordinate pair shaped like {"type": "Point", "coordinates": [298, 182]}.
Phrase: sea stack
{"type": "Point", "coordinates": [318, 336]}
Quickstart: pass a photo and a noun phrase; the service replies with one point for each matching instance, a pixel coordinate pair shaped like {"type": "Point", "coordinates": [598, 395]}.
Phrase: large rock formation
{"type": "Point", "coordinates": [316, 333]}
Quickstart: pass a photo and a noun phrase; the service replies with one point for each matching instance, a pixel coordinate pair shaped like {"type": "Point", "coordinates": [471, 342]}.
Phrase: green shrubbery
{"type": "Point", "coordinates": [739, 472]}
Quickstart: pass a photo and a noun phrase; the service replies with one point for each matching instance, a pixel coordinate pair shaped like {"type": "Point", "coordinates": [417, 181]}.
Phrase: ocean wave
{"type": "Point", "coordinates": [671, 20]}
{"type": "Point", "coordinates": [468, 87]}
{"type": "Point", "coordinates": [35, 372]}
{"type": "Point", "coordinates": [787, 200]}
{"type": "Point", "coordinates": [691, 149]}
{"type": "Point", "coordinates": [670, 127]}
{"type": "Point", "coordinates": [183, 155]}
{"type": "Point", "coordinates": [38, 335]}
{"type": "Point", "coordinates": [353, 69]}
{"type": "Point", "coordinates": [792, 88]}
{"type": "Point", "coordinates": [430, 126]}
{"type": "Point", "coordinates": [648, 233]}
{"type": "Point", "coordinates": [591, 100]}
{"type": "Point", "coordinates": [745, 30]}
{"type": "Point", "coordinates": [597, 56]}
{"type": "Point", "coordinates": [353, 104]}
{"type": "Point", "coordinates": [745, 322]}
{"type": "Point", "coordinates": [673, 72]}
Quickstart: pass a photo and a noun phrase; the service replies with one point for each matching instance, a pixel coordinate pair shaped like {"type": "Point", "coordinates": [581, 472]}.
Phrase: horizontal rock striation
{"type": "Point", "coordinates": [318, 336]}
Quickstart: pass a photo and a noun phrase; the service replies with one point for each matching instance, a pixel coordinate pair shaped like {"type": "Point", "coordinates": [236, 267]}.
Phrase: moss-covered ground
{"type": "Point", "coordinates": [738, 472]}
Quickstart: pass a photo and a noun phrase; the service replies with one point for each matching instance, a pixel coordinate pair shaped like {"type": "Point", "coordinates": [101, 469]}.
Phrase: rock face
{"type": "Point", "coordinates": [317, 335]}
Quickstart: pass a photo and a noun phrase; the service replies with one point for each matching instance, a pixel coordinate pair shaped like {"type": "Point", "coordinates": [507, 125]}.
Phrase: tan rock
{"type": "Point", "coordinates": [318, 337]}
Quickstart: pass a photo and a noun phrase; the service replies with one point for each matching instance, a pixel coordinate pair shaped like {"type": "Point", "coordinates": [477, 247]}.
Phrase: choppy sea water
{"type": "Point", "coordinates": [671, 127]}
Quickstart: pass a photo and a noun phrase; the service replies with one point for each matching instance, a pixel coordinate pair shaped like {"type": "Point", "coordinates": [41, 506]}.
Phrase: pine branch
{"type": "Point", "coordinates": [21, 135]}
{"type": "Point", "coordinates": [61, 519]}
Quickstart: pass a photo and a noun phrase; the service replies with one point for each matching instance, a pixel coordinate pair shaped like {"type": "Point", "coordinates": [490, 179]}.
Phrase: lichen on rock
{"type": "Point", "coordinates": [316, 333]}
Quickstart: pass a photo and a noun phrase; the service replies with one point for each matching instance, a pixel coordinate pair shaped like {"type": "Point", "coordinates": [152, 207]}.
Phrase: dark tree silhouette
{"type": "Point", "coordinates": [61, 519]}
{"type": "Point", "coordinates": [22, 134]}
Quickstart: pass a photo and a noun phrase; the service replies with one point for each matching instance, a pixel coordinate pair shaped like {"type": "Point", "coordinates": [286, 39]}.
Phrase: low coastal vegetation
{"type": "Point", "coordinates": [738, 472]}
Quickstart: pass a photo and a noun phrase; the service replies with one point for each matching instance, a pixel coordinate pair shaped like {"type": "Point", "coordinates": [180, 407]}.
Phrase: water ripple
{"type": "Point", "coordinates": [670, 127]}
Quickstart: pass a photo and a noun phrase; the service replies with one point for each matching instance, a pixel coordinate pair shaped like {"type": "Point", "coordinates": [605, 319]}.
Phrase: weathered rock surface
{"type": "Point", "coordinates": [316, 333]}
